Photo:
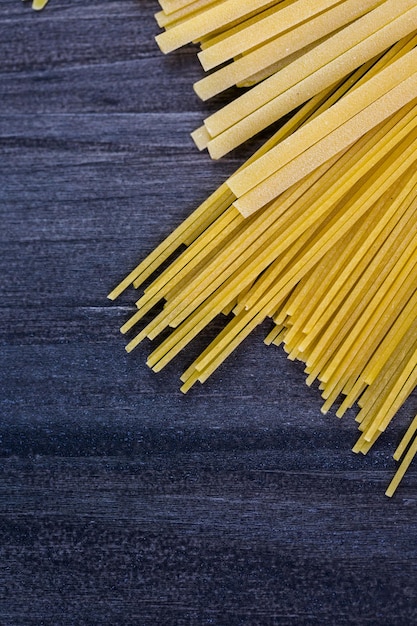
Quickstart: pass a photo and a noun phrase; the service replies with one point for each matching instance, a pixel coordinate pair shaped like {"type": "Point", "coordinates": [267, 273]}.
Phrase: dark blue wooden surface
{"type": "Point", "coordinates": [122, 501]}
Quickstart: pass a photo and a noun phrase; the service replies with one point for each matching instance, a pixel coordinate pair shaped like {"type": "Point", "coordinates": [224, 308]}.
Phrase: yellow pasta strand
{"type": "Point", "coordinates": [402, 469]}
{"type": "Point", "coordinates": [38, 5]}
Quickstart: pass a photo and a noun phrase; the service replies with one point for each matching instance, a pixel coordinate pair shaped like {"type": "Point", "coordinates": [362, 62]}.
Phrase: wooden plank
{"type": "Point", "coordinates": [122, 501]}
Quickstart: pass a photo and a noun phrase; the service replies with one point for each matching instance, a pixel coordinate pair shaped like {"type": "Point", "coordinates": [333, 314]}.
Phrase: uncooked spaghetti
{"type": "Point", "coordinates": [317, 231]}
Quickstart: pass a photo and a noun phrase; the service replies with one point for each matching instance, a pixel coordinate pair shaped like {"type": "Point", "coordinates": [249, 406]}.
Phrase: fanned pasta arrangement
{"type": "Point", "coordinates": [317, 231]}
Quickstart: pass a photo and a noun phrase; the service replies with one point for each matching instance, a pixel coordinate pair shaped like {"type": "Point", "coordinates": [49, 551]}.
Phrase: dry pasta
{"type": "Point", "coordinates": [38, 5]}
{"type": "Point", "coordinates": [318, 230]}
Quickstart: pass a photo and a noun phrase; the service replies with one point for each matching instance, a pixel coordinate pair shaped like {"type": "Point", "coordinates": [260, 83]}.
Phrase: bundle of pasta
{"type": "Point", "coordinates": [316, 231]}
{"type": "Point", "coordinates": [289, 50]}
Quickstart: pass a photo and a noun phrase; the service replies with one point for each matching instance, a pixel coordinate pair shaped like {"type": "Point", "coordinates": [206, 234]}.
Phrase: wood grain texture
{"type": "Point", "coordinates": [122, 501]}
